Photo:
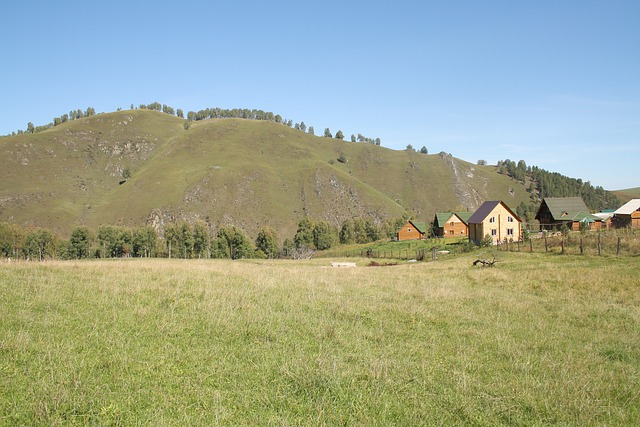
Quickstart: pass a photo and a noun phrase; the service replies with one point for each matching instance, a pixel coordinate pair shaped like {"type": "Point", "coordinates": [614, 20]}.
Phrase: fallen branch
{"type": "Point", "coordinates": [485, 262]}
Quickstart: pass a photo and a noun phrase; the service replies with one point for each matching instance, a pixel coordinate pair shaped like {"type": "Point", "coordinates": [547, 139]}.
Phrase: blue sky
{"type": "Point", "coordinates": [555, 83]}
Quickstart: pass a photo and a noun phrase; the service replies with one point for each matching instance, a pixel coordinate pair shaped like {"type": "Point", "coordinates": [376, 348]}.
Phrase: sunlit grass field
{"type": "Point", "coordinates": [536, 340]}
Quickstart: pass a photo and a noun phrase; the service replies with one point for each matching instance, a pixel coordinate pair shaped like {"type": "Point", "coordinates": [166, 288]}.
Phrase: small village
{"type": "Point", "coordinates": [496, 220]}
{"type": "Point", "coordinates": [320, 214]}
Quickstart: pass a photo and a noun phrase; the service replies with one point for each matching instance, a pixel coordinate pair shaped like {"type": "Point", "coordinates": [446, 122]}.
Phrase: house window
{"type": "Point", "coordinates": [509, 231]}
{"type": "Point", "coordinates": [509, 219]}
{"type": "Point", "coordinates": [494, 232]}
{"type": "Point", "coordinates": [451, 232]}
{"type": "Point", "coordinates": [492, 219]}
{"type": "Point", "coordinates": [452, 223]}
{"type": "Point", "coordinates": [409, 230]}
{"type": "Point", "coordinates": [462, 232]}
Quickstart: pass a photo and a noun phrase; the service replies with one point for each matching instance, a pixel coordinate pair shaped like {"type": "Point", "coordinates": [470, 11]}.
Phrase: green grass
{"type": "Point", "coordinates": [537, 340]}
{"type": "Point", "coordinates": [406, 249]}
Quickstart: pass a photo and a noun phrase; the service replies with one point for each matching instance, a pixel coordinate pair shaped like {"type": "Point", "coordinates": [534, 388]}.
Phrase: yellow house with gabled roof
{"type": "Point", "coordinates": [494, 219]}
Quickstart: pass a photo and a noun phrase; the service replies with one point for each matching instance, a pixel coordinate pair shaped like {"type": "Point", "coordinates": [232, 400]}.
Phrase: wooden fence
{"type": "Point", "coordinates": [602, 243]}
{"type": "Point", "coordinates": [579, 243]}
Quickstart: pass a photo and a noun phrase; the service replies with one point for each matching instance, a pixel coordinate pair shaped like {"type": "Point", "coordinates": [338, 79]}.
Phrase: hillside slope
{"type": "Point", "coordinates": [224, 171]}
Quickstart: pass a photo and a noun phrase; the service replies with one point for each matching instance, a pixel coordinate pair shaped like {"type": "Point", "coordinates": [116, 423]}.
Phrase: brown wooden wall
{"type": "Point", "coordinates": [409, 232]}
{"type": "Point", "coordinates": [456, 229]}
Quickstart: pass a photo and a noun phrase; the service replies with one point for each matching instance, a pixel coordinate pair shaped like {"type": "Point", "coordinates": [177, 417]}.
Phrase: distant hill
{"type": "Point", "coordinates": [143, 167]}
{"type": "Point", "coordinates": [628, 194]}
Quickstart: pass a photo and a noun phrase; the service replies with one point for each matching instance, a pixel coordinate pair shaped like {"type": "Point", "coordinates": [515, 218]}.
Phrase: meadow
{"type": "Point", "coordinates": [536, 340]}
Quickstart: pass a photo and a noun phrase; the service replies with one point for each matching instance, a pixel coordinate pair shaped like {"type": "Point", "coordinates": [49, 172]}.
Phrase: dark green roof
{"type": "Point", "coordinates": [421, 226]}
{"type": "Point", "coordinates": [565, 208]}
{"type": "Point", "coordinates": [585, 217]}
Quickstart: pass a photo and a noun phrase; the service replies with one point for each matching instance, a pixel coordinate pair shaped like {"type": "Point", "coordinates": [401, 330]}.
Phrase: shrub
{"type": "Point", "coordinates": [487, 241]}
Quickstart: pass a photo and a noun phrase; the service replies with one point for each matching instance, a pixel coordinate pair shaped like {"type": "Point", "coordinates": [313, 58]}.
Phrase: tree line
{"type": "Point", "coordinates": [72, 115]}
{"type": "Point", "coordinates": [187, 240]}
{"type": "Point", "coordinates": [204, 114]}
{"type": "Point", "coordinates": [541, 183]}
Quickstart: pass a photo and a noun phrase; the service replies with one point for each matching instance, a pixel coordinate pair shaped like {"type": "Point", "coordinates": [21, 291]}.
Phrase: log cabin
{"type": "Point", "coordinates": [451, 224]}
{"type": "Point", "coordinates": [571, 212]}
{"type": "Point", "coordinates": [412, 230]}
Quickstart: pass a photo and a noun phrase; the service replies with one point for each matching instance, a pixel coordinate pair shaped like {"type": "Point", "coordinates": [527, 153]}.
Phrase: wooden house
{"type": "Point", "coordinates": [572, 212]}
{"type": "Point", "coordinates": [494, 219]}
{"type": "Point", "coordinates": [606, 218]}
{"type": "Point", "coordinates": [628, 215]}
{"type": "Point", "coordinates": [586, 221]}
{"type": "Point", "coordinates": [451, 224]}
{"type": "Point", "coordinates": [412, 230]}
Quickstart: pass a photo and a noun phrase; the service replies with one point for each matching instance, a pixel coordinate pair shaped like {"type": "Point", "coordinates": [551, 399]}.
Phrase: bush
{"type": "Point", "coordinates": [487, 241]}
{"type": "Point", "coordinates": [466, 246]}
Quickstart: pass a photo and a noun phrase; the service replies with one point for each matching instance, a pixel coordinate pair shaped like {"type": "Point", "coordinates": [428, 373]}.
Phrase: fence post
{"type": "Point", "coordinates": [599, 244]}
{"type": "Point", "coordinates": [618, 248]}
{"type": "Point", "coordinates": [530, 244]}
{"type": "Point", "coordinates": [546, 243]}
{"type": "Point", "coordinates": [562, 244]}
{"type": "Point", "coordinates": [581, 248]}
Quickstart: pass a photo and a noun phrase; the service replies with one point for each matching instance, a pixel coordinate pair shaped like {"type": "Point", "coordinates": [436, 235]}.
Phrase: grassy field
{"type": "Point", "coordinates": [537, 340]}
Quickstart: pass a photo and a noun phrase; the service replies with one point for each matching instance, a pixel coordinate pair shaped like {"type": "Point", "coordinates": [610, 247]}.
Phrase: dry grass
{"type": "Point", "coordinates": [534, 341]}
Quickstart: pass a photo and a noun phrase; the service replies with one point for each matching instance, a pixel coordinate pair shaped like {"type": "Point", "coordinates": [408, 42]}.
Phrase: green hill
{"type": "Point", "coordinates": [248, 173]}
{"type": "Point", "coordinates": [628, 194]}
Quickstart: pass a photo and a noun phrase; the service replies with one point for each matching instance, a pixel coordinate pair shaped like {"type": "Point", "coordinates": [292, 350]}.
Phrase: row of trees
{"type": "Point", "coordinates": [542, 183]}
{"type": "Point", "coordinates": [72, 115]}
{"type": "Point", "coordinates": [208, 113]}
{"type": "Point", "coordinates": [185, 240]}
